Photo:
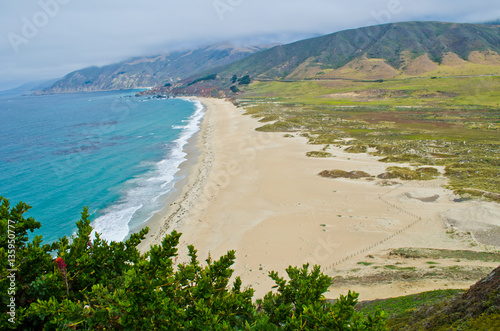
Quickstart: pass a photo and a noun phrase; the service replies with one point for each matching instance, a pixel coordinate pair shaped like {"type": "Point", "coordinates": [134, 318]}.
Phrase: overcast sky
{"type": "Point", "coordinates": [43, 39]}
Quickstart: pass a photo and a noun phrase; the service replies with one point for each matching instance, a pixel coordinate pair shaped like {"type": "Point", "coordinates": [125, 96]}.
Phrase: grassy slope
{"type": "Point", "coordinates": [390, 51]}
{"type": "Point", "coordinates": [415, 92]}
{"type": "Point", "coordinates": [399, 310]}
{"type": "Point", "coordinates": [391, 42]}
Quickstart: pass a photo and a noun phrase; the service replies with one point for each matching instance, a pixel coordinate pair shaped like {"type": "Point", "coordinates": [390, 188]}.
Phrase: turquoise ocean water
{"type": "Point", "coordinates": [110, 151]}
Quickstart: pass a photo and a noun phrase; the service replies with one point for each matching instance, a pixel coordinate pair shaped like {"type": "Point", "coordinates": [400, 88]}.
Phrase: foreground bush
{"type": "Point", "coordinates": [93, 285]}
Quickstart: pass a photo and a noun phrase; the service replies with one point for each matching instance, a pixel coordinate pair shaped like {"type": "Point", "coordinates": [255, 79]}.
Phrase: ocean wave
{"type": "Point", "coordinates": [110, 225]}
{"type": "Point", "coordinates": [141, 198]}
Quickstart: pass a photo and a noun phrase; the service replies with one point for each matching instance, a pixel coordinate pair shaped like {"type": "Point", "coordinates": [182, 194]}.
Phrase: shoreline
{"type": "Point", "coordinates": [259, 194]}
{"type": "Point", "coordinates": [147, 192]}
{"type": "Point", "coordinates": [193, 171]}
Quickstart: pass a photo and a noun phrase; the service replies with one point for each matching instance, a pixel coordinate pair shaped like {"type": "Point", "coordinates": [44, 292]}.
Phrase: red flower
{"type": "Point", "coordinates": [61, 264]}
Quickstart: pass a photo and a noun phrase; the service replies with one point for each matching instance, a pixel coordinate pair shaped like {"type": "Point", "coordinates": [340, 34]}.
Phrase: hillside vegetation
{"type": "Point", "coordinates": [392, 49]}
{"type": "Point", "coordinates": [475, 309]}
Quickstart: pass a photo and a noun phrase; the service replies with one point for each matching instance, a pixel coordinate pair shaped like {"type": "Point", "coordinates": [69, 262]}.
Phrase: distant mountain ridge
{"type": "Point", "coordinates": [142, 72]}
{"type": "Point", "coordinates": [389, 51]}
{"type": "Point", "coordinates": [30, 87]}
{"type": "Point", "coordinates": [396, 44]}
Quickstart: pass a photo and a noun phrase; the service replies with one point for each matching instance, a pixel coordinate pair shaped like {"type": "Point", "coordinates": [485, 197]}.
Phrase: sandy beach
{"type": "Point", "coordinates": [259, 194]}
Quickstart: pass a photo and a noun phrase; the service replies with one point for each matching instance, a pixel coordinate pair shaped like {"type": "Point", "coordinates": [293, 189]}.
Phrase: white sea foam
{"type": "Point", "coordinates": [111, 225]}
{"type": "Point", "coordinates": [140, 201]}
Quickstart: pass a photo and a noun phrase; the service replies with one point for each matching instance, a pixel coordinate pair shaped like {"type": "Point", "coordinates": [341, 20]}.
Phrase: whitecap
{"type": "Point", "coordinates": [113, 224]}
{"type": "Point", "coordinates": [140, 198]}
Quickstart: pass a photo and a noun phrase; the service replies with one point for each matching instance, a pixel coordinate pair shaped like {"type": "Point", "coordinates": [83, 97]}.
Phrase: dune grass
{"type": "Point", "coordinates": [405, 173]}
{"type": "Point", "coordinates": [449, 122]}
{"type": "Point", "coordinates": [319, 154]}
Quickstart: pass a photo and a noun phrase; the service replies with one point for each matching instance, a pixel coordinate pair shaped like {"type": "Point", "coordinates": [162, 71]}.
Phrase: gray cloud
{"type": "Point", "coordinates": [49, 38]}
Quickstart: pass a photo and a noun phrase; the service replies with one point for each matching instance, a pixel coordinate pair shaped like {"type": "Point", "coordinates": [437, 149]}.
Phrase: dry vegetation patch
{"type": "Point", "coordinates": [344, 174]}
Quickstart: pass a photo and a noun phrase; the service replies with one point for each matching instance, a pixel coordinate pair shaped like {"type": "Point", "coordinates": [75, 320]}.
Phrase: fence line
{"type": "Point", "coordinates": [391, 236]}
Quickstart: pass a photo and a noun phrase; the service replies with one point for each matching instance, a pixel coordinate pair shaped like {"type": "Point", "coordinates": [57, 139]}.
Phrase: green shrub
{"type": "Point", "coordinates": [279, 126]}
{"type": "Point", "coordinates": [245, 80]}
{"type": "Point", "coordinates": [406, 158]}
{"type": "Point", "coordinates": [318, 154]}
{"type": "Point", "coordinates": [404, 173]}
{"type": "Point", "coordinates": [269, 118]}
{"type": "Point", "coordinates": [323, 139]}
{"type": "Point", "coordinates": [208, 77]}
{"type": "Point", "coordinates": [484, 322]}
{"type": "Point", "coordinates": [343, 174]}
{"type": "Point", "coordinates": [357, 149]}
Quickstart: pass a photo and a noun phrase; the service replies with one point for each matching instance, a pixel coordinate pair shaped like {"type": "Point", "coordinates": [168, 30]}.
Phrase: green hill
{"type": "Point", "coordinates": [389, 51]}
{"type": "Point", "coordinates": [396, 44]}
